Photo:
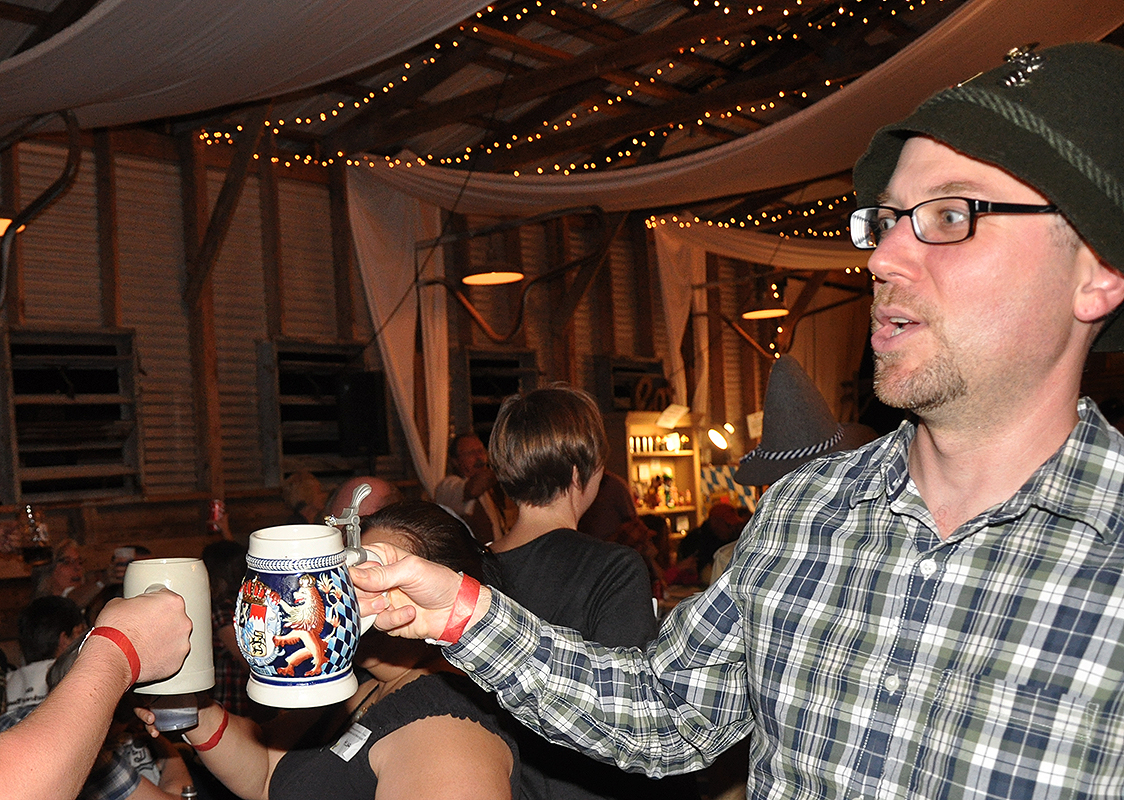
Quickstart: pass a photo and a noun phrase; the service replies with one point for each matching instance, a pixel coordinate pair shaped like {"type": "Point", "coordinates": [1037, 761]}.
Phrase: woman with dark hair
{"type": "Point", "coordinates": [417, 728]}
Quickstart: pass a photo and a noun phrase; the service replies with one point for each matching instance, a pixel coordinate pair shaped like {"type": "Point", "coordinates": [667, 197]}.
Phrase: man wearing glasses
{"type": "Point", "coordinates": [940, 613]}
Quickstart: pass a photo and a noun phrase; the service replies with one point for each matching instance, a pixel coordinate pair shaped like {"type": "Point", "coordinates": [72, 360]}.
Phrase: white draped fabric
{"type": "Point", "coordinates": [385, 224]}
{"type": "Point", "coordinates": [681, 258]}
{"type": "Point", "coordinates": [823, 139]}
{"type": "Point", "coordinates": [134, 60]}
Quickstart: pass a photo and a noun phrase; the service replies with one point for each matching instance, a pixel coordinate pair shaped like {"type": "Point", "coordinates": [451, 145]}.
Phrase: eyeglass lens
{"type": "Point", "coordinates": [944, 220]}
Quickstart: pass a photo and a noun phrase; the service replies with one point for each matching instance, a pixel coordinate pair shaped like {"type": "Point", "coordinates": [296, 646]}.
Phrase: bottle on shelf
{"type": "Point", "coordinates": [36, 548]}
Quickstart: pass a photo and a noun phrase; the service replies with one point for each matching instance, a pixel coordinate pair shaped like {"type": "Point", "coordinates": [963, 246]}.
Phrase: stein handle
{"type": "Point", "coordinates": [360, 555]}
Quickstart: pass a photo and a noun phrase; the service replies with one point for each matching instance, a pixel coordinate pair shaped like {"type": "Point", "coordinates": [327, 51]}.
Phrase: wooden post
{"type": "Point", "coordinates": [105, 180]}
{"type": "Point", "coordinates": [716, 371]}
{"type": "Point", "coordinates": [272, 272]}
{"type": "Point", "coordinates": [343, 255]}
{"type": "Point", "coordinates": [201, 323]}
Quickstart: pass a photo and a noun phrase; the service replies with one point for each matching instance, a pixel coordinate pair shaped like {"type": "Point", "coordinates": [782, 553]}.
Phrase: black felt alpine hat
{"type": "Point", "coordinates": [1054, 119]}
{"type": "Point", "coordinates": [796, 427]}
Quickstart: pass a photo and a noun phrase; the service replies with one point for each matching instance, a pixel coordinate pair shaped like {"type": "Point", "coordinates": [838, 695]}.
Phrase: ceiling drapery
{"type": "Point", "coordinates": [823, 139]}
{"type": "Point", "coordinates": [130, 61]}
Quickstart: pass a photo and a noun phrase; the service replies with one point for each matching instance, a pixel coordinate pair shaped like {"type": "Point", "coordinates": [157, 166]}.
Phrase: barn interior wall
{"type": "Point", "coordinates": [58, 261]}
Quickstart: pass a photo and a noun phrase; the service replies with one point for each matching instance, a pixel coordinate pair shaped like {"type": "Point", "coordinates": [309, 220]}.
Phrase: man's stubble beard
{"type": "Point", "coordinates": [932, 385]}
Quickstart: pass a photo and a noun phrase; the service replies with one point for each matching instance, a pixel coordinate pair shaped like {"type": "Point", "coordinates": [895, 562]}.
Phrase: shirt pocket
{"type": "Point", "coordinates": [990, 738]}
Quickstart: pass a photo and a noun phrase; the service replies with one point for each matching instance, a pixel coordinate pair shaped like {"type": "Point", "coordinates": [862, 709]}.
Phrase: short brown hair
{"type": "Point", "coordinates": [540, 438]}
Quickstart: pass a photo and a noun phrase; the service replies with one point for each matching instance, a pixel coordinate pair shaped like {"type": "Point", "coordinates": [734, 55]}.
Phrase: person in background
{"type": "Point", "coordinates": [144, 638]}
{"type": "Point", "coordinates": [796, 426]}
{"type": "Point", "coordinates": [304, 497]}
{"type": "Point", "coordinates": [940, 612]}
{"type": "Point", "coordinates": [417, 728]}
{"type": "Point", "coordinates": [612, 507]}
{"type": "Point", "coordinates": [114, 580]}
{"type": "Point", "coordinates": [47, 626]}
{"type": "Point", "coordinates": [695, 554]}
{"type": "Point", "coordinates": [548, 452]}
{"type": "Point", "coordinates": [226, 567]}
{"type": "Point", "coordinates": [383, 493]}
{"type": "Point", "coordinates": [470, 490]}
{"type": "Point", "coordinates": [64, 574]}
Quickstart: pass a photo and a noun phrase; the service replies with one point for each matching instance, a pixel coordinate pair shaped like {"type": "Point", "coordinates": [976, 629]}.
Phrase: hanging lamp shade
{"type": "Point", "coordinates": [492, 275]}
{"type": "Point", "coordinates": [770, 307]}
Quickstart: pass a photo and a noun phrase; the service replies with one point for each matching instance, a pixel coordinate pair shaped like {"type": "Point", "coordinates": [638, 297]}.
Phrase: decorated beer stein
{"type": "Point", "coordinates": [296, 618]}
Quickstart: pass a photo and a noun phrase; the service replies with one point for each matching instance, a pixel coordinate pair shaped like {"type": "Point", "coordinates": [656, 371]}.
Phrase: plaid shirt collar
{"type": "Point", "coordinates": [1073, 483]}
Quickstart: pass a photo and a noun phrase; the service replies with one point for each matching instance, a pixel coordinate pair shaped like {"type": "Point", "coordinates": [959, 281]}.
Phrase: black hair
{"type": "Point", "coordinates": [42, 621]}
{"type": "Point", "coordinates": [226, 566]}
{"type": "Point", "coordinates": [438, 536]}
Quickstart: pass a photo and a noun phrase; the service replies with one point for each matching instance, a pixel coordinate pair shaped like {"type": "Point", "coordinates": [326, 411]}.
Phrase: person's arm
{"type": "Point", "coordinates": [442, 757]}
{"type": "Point", "coordinates": [232, 748]}
{"type": "Point", "coordinates": [671, 708]}
{"type": "Point", "coordinates": [74, 718]}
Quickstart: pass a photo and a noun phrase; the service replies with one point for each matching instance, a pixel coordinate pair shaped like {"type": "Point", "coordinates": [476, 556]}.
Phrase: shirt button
{"type": "Point", "coordinates": [892, 683]}
{"type": "Point", "coordinates": [928, 568]}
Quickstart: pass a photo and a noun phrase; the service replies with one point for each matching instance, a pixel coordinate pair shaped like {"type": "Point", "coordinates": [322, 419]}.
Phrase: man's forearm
{"type": "Point", "coordinates": [67, 730]}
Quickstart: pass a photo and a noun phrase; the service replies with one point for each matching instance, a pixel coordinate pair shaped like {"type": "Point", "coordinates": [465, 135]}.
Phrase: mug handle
{"type": "Point", "coordinates": [360, 555]}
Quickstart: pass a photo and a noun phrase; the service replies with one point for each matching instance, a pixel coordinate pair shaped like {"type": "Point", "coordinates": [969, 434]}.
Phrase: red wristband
{"type": "Point", "coordinates": [214, 740]}
{"type": "Point", "coordinates": [122, 641]}
{"type": "Point", "coordinates": [462, 609]}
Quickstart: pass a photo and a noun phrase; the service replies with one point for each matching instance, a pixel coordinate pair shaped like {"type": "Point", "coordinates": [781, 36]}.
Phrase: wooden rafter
{"type": "Point", "coordinates": [594, 63]}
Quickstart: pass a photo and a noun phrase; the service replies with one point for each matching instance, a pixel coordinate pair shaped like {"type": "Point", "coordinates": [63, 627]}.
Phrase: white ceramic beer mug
{"type": "Point", "coordinates": [175, 707]}
{"type": "Point", "coordinates": [297, 619]}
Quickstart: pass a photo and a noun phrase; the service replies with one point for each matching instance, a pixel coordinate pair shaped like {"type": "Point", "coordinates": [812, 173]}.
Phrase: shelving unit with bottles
{"type": "Point", "coordinates": [657, 452]}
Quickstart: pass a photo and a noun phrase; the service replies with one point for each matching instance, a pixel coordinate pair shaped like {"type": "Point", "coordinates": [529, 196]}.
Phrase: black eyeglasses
{"type": "Point", "coordinates": [945, 220]}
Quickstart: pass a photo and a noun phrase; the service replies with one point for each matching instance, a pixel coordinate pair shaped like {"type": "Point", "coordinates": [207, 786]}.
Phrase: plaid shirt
{"type": "Point", "coordinates": [864, 656]}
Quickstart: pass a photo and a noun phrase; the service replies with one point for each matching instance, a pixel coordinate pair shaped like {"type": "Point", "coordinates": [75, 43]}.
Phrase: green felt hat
{"type": "Point", "coordinates": [1054, 119]}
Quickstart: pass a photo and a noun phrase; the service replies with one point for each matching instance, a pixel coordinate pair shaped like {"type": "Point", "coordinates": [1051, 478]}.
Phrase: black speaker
{"type": "Point", "coordinates": [361, 401]}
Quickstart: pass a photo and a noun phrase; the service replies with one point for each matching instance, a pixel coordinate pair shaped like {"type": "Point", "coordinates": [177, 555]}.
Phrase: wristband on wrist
{"type": "Point", "coordinates": [122, 642]}
{"type": "Point", "coordinates": [461, 611]}
{"type": "Point", "coordinates": [216, 736]}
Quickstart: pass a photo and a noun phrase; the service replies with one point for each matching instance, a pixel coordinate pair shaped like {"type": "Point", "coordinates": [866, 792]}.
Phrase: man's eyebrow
{"type": "Point", "coordinates": [948, 189]}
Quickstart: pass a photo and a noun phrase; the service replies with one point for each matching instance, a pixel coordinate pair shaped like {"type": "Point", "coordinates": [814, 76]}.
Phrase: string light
{"type": "Point", "coordinates": [794, 12]}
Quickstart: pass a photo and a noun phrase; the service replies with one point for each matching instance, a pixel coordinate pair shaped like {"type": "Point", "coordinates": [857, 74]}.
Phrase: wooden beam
{"type": "Point", "coordinates": [642, 269]}
{"type": "Point", "coordinates": [593, 63]}
{"type": "Point", "coordinates": [273, 274]}
{"type": "Point", "coordinates": [796, 311]}
{"type": "Point", "coordinates": [105, 184]}
{"type": "Point", "coordinates": [199, 268]}
{"type": "Point", "coordinates": [209, 473]}
{"type": "Point", "coordinates": [343, 256]}
{"type": "Point", "coordinates": [743, 91]}
{"type": "Point", "coordinates": [13, 12]}
{"type": "Point", "coordinates": [62, 16]}
{"type": "Point", "coordinates": [13, 281]}
{"type": "Point", "coordinates": [716, 356]}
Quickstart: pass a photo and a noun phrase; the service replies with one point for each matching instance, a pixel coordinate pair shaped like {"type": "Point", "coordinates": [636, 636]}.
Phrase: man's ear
{"type": "Point", "coordinates": [1100, 290]}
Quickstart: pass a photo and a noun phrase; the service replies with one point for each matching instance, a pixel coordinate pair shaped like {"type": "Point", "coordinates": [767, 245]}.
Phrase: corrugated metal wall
{"type": "Point", "coordinates": [150, 253]}
{"type": "Point", "coordinates": [239, 303]}
{"type": "Point", "coordinates": [620, 272]}
{"type": "Point", "coordinates": [62, 282]}
{"type": "Point", "coordinates": [306, 260]}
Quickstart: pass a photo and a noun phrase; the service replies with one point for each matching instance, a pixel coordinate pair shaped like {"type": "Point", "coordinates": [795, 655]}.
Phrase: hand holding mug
{"type": "Point", "coordinates": [411, 597]}
{"type": "Point", "coordinates": [157, 626]}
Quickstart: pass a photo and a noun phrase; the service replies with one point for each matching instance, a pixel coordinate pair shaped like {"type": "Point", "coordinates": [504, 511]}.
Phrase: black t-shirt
{"type": "Point", "coordinates": [304, 774]}
{"type": "Point", "coordinates": [602, 590]}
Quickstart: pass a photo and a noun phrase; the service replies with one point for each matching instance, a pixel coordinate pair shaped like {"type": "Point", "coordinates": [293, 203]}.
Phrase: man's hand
{"type": "Point", "coordinates": [411, 597]}
{"type": "Point", "coordinates": [157, 626]}
{"type": "Point", "coordinates": [480, 481]}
